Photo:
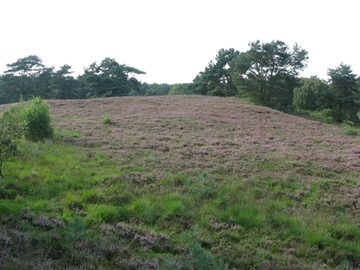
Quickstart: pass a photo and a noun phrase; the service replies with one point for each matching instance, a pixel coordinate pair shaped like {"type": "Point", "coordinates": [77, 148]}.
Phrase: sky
{"type": "Point", "coordinates": [172, 41]}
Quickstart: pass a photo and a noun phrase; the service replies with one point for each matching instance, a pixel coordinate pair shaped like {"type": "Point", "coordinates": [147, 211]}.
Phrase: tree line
{"type": "Point", "coordinates": [29, 77]}
{"type": "Point", "coordinates": [267, 73]}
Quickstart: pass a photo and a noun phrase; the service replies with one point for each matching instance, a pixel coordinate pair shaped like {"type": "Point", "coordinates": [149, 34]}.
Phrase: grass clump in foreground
{"type": "Point", "coordinates": [177, 199]}
{"type": "Point", "coordinates": [107, 120]}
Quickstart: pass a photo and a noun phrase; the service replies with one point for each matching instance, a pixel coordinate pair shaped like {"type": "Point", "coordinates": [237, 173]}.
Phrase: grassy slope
{"type": "Point", "coordinates": [181, 181]}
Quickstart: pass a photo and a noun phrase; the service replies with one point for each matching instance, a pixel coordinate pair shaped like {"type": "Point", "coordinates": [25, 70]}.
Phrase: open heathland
{"type": "Point", "coordinates": [182, 182]}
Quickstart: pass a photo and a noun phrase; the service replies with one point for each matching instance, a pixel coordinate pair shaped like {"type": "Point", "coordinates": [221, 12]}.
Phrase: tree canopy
{"type": "Point", "coordinates": [179, 89]}
{"type": "Point", "coordinates": [19, 79]}
{"type": "Point", "coordinates": [307, 95]}
{"type": "Point", "coordinates": [63, 84]}
{"type": "Point", "coordinates": [109, 79]}
{"type": "Point", "coordinates": [216, 79]}
{"type": "Point", "coordinates": [343, 96]}
{"type": "Point", "coordinates": [29, 77]}
{"type": "Point", "coordinates": [268, 72]}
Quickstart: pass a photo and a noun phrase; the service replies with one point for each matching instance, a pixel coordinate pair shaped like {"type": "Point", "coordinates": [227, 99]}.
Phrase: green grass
{"type": "Point", "coordinates": [351, 130]}
{"type": "Point", "coordinates": [54, 179]}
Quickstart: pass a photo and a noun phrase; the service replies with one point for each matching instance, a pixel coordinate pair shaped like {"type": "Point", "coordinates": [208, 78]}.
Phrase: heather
{"type": "Point", "coordinates": [182, 182]}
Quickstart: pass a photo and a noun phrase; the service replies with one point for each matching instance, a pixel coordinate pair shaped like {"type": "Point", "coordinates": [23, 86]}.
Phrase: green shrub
{"type": "Point", "coordinates": [107, 120]}
{"type": "Point", "coordinates": [179, 89]}
{"type": "Point", "coordinates": [350, 130]}
{"type": "Point", "coordinates": [11, 129]}
{"type": "Point", "coordinates": [37, 120]}
{"type": "Point", "coordinates": [325, 115]}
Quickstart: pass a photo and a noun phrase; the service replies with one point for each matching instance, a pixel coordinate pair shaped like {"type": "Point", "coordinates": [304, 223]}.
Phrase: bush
{"type": "Point", "coordinates": [107, 120]}
{"type": "Point", "coordinates": [304, 98]}
{"type": "Point", "coordinates": [37, 120]}
{"type": "Point", "coordinates": [350, 130]}
{"type": "Point", "coordinates": [11, 129]}
{"type": "Point", "coordinates": [179, 89]}
{"type": "Point", "coordinates": [325, 115]}
{"type": "Point", "coordinates": [307, 96]}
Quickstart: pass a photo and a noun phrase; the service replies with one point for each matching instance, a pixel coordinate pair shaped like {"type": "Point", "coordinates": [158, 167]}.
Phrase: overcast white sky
{"type": "Point", "coordinates": [172, 41]}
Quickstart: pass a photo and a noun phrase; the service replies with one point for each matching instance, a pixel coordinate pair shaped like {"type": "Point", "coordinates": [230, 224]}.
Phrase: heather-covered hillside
{"type": "Point", "coordinates": [195, 133]}
{"type": "Point", "coordinates": [183, 182]}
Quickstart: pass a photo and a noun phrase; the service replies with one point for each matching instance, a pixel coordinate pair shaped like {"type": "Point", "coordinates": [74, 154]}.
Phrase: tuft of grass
{"type": "Point", "coordinates": [72, 201]}
{"type": "Point", "coordinates": [247, 216]}
{"type": "Point", "coordinates": [144, 209]}
{"type": "Point", "coordinates": [203, 186]}
{"type": "Point", "coordinates": [91, 196]}
{"type": "Point", "coordinates": [100, 213]}
{"type": "Point", "coordinates": [76, 134]}
{"type": "Point", "coordinates": [9, 208]}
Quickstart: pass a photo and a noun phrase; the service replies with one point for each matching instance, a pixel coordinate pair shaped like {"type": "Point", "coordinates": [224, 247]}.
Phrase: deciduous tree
{"type": "Point", "coordinates": [179, 89]}
{"type": "Point", "coordinates": [306, 96]}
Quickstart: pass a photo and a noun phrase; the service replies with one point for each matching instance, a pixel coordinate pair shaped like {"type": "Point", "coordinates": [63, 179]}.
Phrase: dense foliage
{"type": "Point", "coordinates": [11, 131]}
{"type": "Point", "coordinates": [307, 95]}
{"type": "Point", "coordinates": [37, 120]}
{"type": "Point", "coordinates": [63, 85]}
{"type": "Point", "coordinates": [180, 89]}
{"type": "Point", "coordinates": [154, 89]}
{"type": "Point", "coordinates": [268, 72]}
{"type": "Point", "coordinates": [343, 97]}
{"type": "Point", "coordinates": [31, 121]}
{"type": "Point", "coordinates": [109, 79]}
{"type": "Point", "coordinates": [216, 79]}
{"type": "Point", "coordinates": [28, 77]}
